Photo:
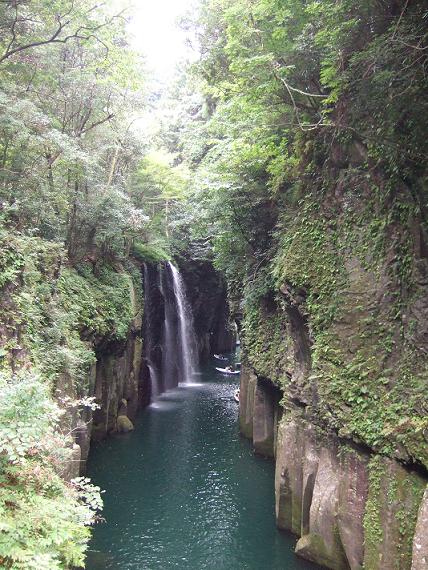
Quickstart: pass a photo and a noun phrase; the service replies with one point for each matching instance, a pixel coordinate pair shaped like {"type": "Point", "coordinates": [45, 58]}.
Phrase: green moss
{"type": "Point", "coordinates": [392, 507]}
{"type": "Point", "coordinates": [152, 253]}
{"type": "Point", "coordinates": [99, 305]}
{"type": "Point", "coordinates": [373, 531]}
{"type": "Point", "coordinates": [134, 271]}
{"type": "Point", "coordinates": [353, 270]}
{"type": "Point", "coordinates": [124, 424]}
{"type": "Point", "coordinates": [307, 259]}
{"type": "Point", "coordinates": [266, 343]}
{"type": "Point", "coordinates": [54, 313]}
{"type": "Point", "coordinates": [408, 496]}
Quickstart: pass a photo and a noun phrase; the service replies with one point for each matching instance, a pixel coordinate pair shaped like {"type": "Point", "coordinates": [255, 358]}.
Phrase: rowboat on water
{"type": "Point", "coordinates": [220, 357]}
{"type": "Point", "coordinates": [226, 371]}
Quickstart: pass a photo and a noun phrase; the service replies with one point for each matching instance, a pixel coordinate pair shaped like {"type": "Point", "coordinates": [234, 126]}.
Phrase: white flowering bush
{"type": "Point", "coordinates": [44, 521]}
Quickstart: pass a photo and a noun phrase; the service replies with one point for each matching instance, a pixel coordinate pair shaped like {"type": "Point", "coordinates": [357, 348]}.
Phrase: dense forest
{"type": "Point", "coordinates": [291, 157]}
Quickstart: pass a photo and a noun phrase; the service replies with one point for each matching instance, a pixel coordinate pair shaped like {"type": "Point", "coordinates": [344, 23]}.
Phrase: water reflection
{"type": "Point", "coordinates": [184, 490]}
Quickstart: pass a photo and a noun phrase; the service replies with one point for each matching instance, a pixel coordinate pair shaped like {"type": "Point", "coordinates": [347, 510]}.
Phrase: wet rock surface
{"type": "Point", "coordinates": [207, 294]}
{"type": "Point", "coordinates": [352, 509]}
{"type": "Point", "coordinates": [420, 543]}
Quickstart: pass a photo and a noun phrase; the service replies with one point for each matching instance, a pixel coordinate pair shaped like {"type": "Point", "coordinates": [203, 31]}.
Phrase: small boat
{"type": "Point", "coordinates": [226, 371]}
{"type": "Point", "coordinates": [236, 396]}
{"type": "Point", "coordinates": [220, 357]}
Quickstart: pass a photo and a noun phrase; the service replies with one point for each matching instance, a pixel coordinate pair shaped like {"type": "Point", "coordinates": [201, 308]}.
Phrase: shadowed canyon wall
{"type": "Point", "coordinates": [351, 508]}
{"type": "Point", "coordinates": [207, 294]}
{"type": "Point", "coordinates": [343, 335]}
{"type": "Point", "coordinates": [128, 373]}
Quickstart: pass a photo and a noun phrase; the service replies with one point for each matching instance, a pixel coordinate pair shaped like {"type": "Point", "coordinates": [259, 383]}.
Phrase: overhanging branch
{"type": "Point", "coordinates": [83, 33]}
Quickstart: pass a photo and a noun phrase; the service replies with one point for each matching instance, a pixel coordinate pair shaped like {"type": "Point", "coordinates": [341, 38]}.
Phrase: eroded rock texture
{"type": "Point", "coordinates": [207, 295]}
{"type": "Point", "coordinates": [259, 412]}
{"type": "Point", "coordinates": [118, 387]}
{"type": "Point", "coordinates": [116, 379]}
{"type": "Point", "coordinates": [351, 508]}
{"type": "Point", "coordinates": [320, 495]}
{"type": "Point", "coordinates": [420, 543]}
{"type": "Point", "coordinates": [343, 333]}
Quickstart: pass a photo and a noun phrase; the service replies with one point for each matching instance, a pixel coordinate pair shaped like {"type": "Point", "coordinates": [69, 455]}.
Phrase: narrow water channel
{"type": "Point", "coordinates": [185, 491]}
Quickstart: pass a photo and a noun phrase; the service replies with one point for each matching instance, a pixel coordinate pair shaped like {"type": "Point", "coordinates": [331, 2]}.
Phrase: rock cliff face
{"type": "Point", "coordinates": [118, 386]}
{"type": "Point", "coordinates": [420, 543]}
{"type": "Point", "coordinates": [208, 297]}
{"type": "Point", "coordinates": [351, 508]}
{"type": "Point", "coordinates": [337, 320]}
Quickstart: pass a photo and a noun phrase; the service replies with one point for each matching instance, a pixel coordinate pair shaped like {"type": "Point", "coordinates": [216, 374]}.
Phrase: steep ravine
{"type": "Point", "coordinates": [342, 337]}
{"type": "Point", "coordinates": [315, 173]}
{"type": "Point", "coordinates": [351, 506]}
{"type": "Point", "coordinates": [121, 379]}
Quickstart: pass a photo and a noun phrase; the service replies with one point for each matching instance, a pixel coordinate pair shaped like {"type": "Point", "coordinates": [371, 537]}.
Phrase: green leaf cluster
{"type": "Point", "coordinates": [43, 519]}
{"type": "Point", "coordinates": [306, 148]}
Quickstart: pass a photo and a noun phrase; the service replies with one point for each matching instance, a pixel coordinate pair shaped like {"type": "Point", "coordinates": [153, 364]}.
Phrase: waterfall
{"type": "Point", "coordinates": [170, 366]}
{"type": "Point", "coordinates": [170, 347]}
{"type": "Point", "coordinates": [155, 383]}
{"type": "Point", "coordinates": [186, 336]}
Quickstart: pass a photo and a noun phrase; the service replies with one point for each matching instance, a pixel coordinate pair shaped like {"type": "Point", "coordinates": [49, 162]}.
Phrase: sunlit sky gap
{"type": "Point", "coordinates": [154, 32]}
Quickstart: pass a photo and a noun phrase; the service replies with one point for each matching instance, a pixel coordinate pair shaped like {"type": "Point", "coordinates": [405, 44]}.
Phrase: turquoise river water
{"type": "Point", "coordinates": [185, 491]}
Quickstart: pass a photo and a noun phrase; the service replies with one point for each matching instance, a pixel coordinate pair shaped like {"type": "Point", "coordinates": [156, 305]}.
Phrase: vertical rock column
{"type": "Point", "coordinates": [393, 502]}
{"type": "Point", "coordinates": [117, 378]}
{"type": "Point", "coordinates": [351, 509]}
{"type": "Point", "coordinates": [246, 401]}
{"type": "Point", "coordinates": [264, 420]}
{"type": "Point", "coordinates": [259, 412]}
{"type": "Point", "coordinates": [420, 542]}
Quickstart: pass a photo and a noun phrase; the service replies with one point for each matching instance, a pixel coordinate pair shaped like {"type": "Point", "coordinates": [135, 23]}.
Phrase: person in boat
{"type": "Point", "coordinates": [230, 368]}
{"type": "Point", "coordinates": [220, 357]}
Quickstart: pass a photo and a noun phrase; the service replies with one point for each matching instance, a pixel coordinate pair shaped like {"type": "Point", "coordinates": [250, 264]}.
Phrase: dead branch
{"type": "Point", "coordinates": [400, 18]}
{"type": "Point", "coordinates": [83, 33]}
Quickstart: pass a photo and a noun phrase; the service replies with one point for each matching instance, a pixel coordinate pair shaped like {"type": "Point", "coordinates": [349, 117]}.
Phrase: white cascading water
{"type": "Point", "coordinates": [154, 381]}
{"type": "Point", "coordinates": [187, 340]}
{"type": "Point", "coordinates": [170, 344]}
{"type": "Point", "coordinates": [154, 375]}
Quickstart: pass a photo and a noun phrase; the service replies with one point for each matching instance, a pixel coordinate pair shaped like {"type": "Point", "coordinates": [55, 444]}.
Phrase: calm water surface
{"type": "Point", "coordinates": [185, 491]}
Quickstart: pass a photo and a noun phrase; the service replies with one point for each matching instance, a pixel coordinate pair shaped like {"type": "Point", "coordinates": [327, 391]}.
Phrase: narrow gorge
{"type": "Point", "coordinates": [214, 285]}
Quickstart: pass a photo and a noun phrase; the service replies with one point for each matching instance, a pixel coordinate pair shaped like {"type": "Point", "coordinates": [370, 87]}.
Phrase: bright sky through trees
{"type": "Point", "coordinates": [156, 34]}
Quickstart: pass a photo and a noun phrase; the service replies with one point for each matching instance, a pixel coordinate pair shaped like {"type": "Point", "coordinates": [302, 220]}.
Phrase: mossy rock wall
{"type": "Point", "coordinates": [79, 328]}
{"type": "Point", "coordinates": [420, 542]}
{"type": "Point", "coordinates": [351, 508]}
{"type": "Point", "coordinates": [395, 496]}
{"type": "Point", "coordinates": [342, 326]}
